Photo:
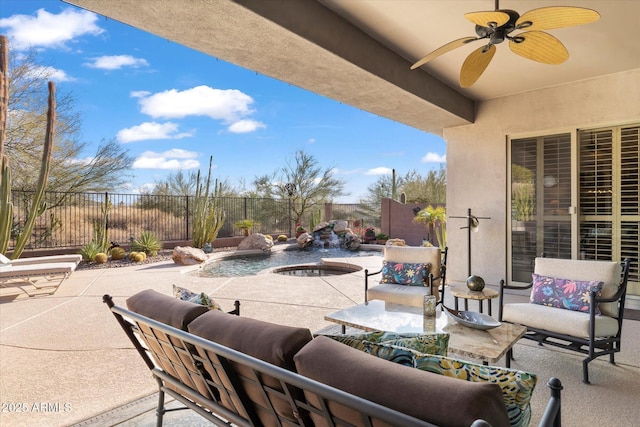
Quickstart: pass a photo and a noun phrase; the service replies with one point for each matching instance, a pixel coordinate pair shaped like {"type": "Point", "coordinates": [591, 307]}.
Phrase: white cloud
{"type": "Point", "coordinates": [85, 162]}
{"type": "Point", "coordinates": [228, 105]}
{"type": "Point", "coordinates": [49, 30]}
{"type": "Point", "coordinates": [116, 62]}
{"type": "Point", "coordinates": [151, 130]}
{"type": "Point", "coordinates": [379, 171]}
{"type": "Point", "coordinates": [139, 93]}
{"type": "Point", "coordinates": [311, 141]}
{"type": "Point", "coordinates": [434, 158]}
{"type": "Point", "coordinates": [174, 159]}
{"type": "Point", "coordinates": [49, 73]}
{"type": "Point", "coordinates": [246, 126]}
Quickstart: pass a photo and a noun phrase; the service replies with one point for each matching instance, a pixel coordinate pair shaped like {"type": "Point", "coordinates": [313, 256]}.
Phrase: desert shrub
{"type": "Point", "coordinates": [89, 251]}
{"type": "Point", "coordinates": [148, 243]}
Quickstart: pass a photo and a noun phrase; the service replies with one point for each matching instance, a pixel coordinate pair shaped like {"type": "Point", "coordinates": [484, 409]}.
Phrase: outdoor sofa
{"type": "Point", "coordinates": [245, 372]}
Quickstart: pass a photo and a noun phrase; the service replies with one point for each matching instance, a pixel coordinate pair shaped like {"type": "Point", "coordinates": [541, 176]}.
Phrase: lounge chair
{"type": "Point", "coordinates": [75, 258]}
{"type": "Point", "coordinates": [45, 276]}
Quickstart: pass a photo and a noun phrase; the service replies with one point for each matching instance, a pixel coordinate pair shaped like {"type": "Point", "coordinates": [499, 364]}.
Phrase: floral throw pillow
{"type": "Point", "coordinates": [516, 386]}
{"type": "Point", "coordinates": [203, 299]}
{"type": "Point", "coordinates": [403, 273]}
{"type": "Point", "coordinates": [564, 293]}
{"type": "Point", "coordinates": [424, 343]}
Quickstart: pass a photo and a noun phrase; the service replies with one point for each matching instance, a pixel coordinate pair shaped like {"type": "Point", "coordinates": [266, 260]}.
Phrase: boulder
{"type": "Point", "coordinates": [352, 242]}
{"type": "Point", "coordinates": [186, 255]}
{"type": "Point", "coordinates": [256, 241]}
{"type": "Point", "coordinates": [339, 226]}
{"type": "Point", "coordinates": [320, 226]}
{"type": "Point", "coordinates": [304, 240]}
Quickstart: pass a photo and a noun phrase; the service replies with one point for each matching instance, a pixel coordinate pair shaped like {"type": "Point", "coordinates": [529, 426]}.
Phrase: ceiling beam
{"type": "Point", "coordinates": [305, 44]}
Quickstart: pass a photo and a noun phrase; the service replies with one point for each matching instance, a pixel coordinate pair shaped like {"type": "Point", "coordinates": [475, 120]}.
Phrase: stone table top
{"type": "Point", "coordinates": [486, 345]}
{"type": "Point", "coordinates": [466, 293]}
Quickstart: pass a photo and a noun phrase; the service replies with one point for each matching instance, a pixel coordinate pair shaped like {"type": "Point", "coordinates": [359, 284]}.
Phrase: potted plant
{"type": "Point", "coordinates": [369, 235]}
{"type": "Point", "coordinates": [299, 230]}
{"type": "Point", "coordinates": [381, 238]}
{"type": "Point", "coordinates": [245, 225]}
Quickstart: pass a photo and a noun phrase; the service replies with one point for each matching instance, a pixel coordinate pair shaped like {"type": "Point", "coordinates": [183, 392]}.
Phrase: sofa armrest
{"type": "Point", "coordinates": [551, 415]}
{"type": "Point", "coordinates": [504, 286]}
{"type": "Point", "coordinates": [366, 281]}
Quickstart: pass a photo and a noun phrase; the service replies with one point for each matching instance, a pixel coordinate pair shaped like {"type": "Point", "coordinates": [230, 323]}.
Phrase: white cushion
{"type": "Point", "coordinates": [607, 272]}
{"type": "Point", "coordinates": [559, 320]}
{"type": "Point", "coordinates": [399, 294]}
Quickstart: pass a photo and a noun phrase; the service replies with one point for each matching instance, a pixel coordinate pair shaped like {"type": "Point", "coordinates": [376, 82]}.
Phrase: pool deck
{"type": "Point", "coordinates": [66, 354]}
{"type": "Point", "coordinates": [65, 361]}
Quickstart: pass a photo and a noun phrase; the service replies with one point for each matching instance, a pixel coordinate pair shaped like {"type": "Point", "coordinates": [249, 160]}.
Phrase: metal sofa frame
{"type": "Point", "coordinates": [592, 346]}
{"type": "Point", "coordinates": [198, 358]}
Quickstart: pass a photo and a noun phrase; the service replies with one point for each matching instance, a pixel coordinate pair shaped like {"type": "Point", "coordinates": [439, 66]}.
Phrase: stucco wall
{"type": "Point", "coordinates": [477, 157]}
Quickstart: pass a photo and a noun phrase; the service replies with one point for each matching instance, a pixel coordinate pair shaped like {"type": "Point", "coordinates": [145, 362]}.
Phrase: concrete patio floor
{"type": "Point", "coordinates": [65, 361]}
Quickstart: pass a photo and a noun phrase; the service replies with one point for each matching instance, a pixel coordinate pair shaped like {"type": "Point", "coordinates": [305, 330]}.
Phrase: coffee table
{"type": "Point", "coordinates": [489, 346]}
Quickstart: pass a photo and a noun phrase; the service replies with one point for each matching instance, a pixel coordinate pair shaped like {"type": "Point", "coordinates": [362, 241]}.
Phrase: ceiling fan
{"type": "Point", "coordinates": [534, 44]}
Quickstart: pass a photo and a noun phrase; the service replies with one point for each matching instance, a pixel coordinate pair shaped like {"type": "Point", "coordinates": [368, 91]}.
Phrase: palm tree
{"type": "Point", "coordinates": [431, 217]}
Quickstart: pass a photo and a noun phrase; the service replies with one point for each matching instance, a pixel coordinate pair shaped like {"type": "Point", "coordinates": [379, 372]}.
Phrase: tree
{"type": "Point", "coordinates": [303, 181]}
{"type": "Point", "coordinates": [429, 189]}
{"type": "Point", "coordinates": [181, 183]}
{"type": "Point", "coordinates": [417, 188]}
{"type": "Point", "coordinates": [110, 166]}
{"type": "Point", "coordinates": [383, 188]}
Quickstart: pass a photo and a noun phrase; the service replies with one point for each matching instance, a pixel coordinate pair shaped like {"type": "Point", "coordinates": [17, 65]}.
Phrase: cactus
{"type": "Point", "coordinates": [118, 253]}
{"type": "Point", "coordinates": [208, 216]}
{"type": "Point", "coordinates": [37, 206]}
{"type": "Point", "coordinates": [100, 258]}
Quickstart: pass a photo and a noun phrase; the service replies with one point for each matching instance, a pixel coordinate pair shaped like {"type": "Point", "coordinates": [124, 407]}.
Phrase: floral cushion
{"type": "Point", "coordinates": [516, 386]}
{"type": "Point", "coordinates": [423, 343]}
{"type": "Point", "coordinates": [564, 293]}
{"type": "Point", "coordinates": [403, 273]}
{"type": "Point", "coordinates": [203, 299]}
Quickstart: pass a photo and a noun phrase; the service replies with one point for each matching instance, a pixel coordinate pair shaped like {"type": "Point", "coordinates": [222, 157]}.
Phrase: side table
{"type": "Point", "coordinates": [466, 295]}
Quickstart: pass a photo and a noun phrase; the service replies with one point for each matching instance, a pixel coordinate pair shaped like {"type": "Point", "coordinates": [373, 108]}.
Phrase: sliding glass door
{"type": "Point", "coordinates": [576, 196]}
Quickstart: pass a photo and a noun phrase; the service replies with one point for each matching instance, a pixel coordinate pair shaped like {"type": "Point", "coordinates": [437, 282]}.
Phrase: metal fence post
{"type": "Point", "coordinates": [188, 215]}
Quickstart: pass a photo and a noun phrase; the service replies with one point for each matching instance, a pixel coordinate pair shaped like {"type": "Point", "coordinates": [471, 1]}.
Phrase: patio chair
{"type": "Point", "coordinates": [46, 275]}
{"type": "Point", "coordinates": [577, 305]}
{"type": "Point", "coordinates": [409, 273]}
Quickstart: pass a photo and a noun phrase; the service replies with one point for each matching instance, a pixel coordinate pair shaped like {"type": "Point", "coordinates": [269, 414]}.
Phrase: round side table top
{"type": "Point", "coordinates": [464, 292]}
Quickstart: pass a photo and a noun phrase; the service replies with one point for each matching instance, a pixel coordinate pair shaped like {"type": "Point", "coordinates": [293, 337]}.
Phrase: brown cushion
{"type": "Point", "coordinates": [177, 313]}
{"type": "Point", "coordinates": [275, 344]}
{"type": "Point", "coordinates": [424, 395]}
{"type": "Point", "coordinates": [163, 308]}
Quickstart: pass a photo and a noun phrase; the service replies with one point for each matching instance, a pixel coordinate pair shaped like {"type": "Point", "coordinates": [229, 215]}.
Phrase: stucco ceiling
{"type": "Point", "coordinates": [359, 52]}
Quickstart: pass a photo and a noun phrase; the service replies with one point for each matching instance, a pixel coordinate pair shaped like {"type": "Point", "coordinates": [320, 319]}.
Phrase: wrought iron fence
{"type": "Point", "coordinates": [71, 218]}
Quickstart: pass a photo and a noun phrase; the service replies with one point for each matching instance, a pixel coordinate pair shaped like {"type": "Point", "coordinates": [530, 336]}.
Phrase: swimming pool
{"type": "Point", "coordinates": [247, 265]}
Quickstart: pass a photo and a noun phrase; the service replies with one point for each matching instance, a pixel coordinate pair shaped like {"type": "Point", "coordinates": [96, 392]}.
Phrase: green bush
{"type": "Point", "coordinates": [147, 243]}
{"type": "Point", "coordinates": [90, 250]}
{"type": "Point", "coordinates": [282, 238]}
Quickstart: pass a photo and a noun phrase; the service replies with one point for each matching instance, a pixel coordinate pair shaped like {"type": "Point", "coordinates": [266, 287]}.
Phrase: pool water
{"type": "Point", "coordinates": [247, 265]}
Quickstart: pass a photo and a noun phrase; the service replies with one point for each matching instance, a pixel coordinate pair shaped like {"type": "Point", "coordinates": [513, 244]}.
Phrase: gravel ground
{"type": "Point", "coordinates": [163, 255]}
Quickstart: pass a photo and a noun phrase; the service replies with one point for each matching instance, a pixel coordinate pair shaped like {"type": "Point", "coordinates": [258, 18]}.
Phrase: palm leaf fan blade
{"type": "Point", "coordinates": [443, 49]}
{"type": "Point", "coordinates": [541, 47]}
{"type": "Point", "coordinates": [475, 64]}
{"type": "Point", "coordinates": [485, 18]}
{"type": "Point", "coordinates": [549, 18]}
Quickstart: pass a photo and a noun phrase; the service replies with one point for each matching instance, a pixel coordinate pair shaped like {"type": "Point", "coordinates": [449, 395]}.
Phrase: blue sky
{"type": "Point", "coordinates": [172, 107]}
